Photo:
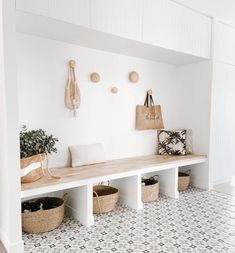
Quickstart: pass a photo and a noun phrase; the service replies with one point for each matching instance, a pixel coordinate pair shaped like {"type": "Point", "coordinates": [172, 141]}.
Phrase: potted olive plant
{"type": "Point", "coordinates": [35, 145]}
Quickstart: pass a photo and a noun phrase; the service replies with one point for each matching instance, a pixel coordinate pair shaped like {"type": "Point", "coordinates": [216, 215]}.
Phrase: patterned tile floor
{"type": "Point", "coordinates": [199, 221]}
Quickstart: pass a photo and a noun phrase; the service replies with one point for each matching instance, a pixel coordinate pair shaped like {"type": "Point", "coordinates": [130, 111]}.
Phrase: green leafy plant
{"type": "Point", "coordinates": [36, 142]}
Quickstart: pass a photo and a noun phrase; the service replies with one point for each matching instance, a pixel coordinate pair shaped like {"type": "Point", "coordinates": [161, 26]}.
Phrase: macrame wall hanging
{"type": "Point", "coordinates": [72, 92]}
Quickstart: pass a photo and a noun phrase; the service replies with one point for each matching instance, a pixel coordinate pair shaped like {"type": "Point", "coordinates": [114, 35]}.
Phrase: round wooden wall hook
{"type": "Point", "coordinates": [95, 77]}
{"type": "Point", "coordinates": [133, 77]}
{"type": "Point", "coordinates": [72, 64]}
{"type": "Point", "coordinates": [114, 90]}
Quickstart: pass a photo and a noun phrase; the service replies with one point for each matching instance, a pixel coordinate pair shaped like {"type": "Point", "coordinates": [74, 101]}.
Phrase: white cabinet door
{"type": "Point", "coordinates": [119, 17]}
{"type": "Point", "coordinates": [222, 159]}
{"type": "Point", "coordinates": [73, 11]}
{"type": "Point", "coordinates": [224, 43]}
{"type": "Point", "coordinates": [172, 26]}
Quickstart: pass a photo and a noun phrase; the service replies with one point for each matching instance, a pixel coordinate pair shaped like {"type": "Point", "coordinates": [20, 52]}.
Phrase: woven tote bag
{"type": "Point", "coordinates": [149, 116]}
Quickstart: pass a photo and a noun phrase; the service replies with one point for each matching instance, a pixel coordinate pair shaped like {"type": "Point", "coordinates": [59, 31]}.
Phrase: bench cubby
{"type": "Point", "coordinates": [124, 174]}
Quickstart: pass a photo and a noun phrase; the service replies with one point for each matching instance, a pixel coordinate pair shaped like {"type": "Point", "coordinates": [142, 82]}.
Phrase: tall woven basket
{"type": "Point", "coordinates": [150, 193]}
{"type": "Point", "coordinates": [44, 220]}
{"type": "Point", "coordinates": [105, 198]}
{"type": "Point", "coordinates": [183, 180]}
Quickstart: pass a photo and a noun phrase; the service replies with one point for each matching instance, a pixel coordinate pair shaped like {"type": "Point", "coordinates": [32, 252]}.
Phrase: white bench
{"type": "Point", "coordinates": [125, 174]}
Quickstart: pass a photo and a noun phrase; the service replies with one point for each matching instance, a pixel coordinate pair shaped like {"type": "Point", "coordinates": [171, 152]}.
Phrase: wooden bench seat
{"type": "Point", "coordinates": [125, 174]}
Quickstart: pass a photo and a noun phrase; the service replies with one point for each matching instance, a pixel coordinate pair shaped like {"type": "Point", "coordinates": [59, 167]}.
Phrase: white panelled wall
{"type": "Point", "coordinates": [122, 18]}
{"type": "Point", "coordinates": [173, 26]}
{"type": "Point", "coordinates": [150, 29]}
{"type": "Point", "coordinates": [222, 159]}
{"type": "Point", "coordinates": [74, 11]}
{"type": "Point", "coordinates": [220, 9]}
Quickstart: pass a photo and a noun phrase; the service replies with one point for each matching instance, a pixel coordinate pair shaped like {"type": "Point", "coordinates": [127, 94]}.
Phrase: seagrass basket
{"type": "Point", "coordinates": [183, 180]}
{"type": "Point", "coordinates": [150, 193]}
{"type": "Point", "coordinates": [44, 220]}
{"type": "Point", "coordinates": [105, 198]}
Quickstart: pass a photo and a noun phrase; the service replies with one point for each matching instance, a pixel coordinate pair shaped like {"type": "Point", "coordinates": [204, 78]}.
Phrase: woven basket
{"type": "Point", "coordinates": [150, 192]}
{"type": "Point", "coordinates": [105, 198]}
{"type": "Point", "coordinates": [183, 180]}
{"type": "Point", "coordinates": [44, 220]}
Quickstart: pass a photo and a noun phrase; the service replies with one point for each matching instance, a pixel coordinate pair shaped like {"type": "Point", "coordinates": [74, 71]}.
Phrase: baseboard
{"type": "Point", "coordinates": [222, 181]}
{"type": "Point", "coordinates": [17, 247]}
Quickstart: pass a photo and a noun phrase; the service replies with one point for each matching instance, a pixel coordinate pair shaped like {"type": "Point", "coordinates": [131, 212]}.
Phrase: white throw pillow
{"type": "Point", "coordinates": [87, 154]}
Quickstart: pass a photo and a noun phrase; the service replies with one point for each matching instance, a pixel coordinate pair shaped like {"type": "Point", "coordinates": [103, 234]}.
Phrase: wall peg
{"type": "Point", "coordinates": [133, 77]}
{"type": "Point", "coordinates": [114, 90]}
{"type": "Point", "coordinates": [95, 77]}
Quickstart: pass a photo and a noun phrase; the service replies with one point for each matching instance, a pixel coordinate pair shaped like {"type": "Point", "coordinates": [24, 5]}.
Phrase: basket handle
{"type": "Point", "coordinates": [102, 183]}
{"type": "Point", "coordinates": [98, 199]}
{"type": "Point", "coordinates": [156, 177]}
{"type": "Point", "coordinates": [65, 197]}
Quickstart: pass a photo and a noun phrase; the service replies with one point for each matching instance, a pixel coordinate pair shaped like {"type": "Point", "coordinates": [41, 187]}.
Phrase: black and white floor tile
{"type": "Point", "coordinates": [199, 221]}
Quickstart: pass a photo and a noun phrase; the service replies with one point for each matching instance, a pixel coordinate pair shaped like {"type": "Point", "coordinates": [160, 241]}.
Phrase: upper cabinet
{"type": "Point", "coordinates": [170, 25]}
{"type": "Point", "coordinates": [122, 17]}
{"type": "Point", "coordinates": [224, 39]}
{"type": "Point", "coordinates": [72, 11]}
{"type": "Point", "coordinates": [160, 30]}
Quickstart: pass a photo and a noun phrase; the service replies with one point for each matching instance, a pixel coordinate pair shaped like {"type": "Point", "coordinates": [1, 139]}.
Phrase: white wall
{"type": "Point", "coordinates": [193, 112]}
{"type": "Point", "coordinates": [3, 159]}
{"type": "Point", "coordinates": [103, 116]}
{"type": "Point", "coordinates": [10, 208]}
{"type": "Point", "coordinates": [183, 92]}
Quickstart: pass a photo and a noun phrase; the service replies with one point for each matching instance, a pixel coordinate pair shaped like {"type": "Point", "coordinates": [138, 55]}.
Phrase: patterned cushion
{"type": "Point", "coordinates": [172, 142]}
{"type": "Point", "coordinates": [189, 141]}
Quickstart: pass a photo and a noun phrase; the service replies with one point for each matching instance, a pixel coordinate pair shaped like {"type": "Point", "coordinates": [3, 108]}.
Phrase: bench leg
{"type": "Point", "coordinates": [168, 182]}
{"type": "Point", "coordinates": [130, 191]}
{"type": "Point", "coordinates": [80, 204]}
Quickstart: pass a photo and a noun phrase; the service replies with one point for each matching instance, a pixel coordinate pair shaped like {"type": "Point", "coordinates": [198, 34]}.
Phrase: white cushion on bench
{"type": "Point", "coordinates": [87, 154]}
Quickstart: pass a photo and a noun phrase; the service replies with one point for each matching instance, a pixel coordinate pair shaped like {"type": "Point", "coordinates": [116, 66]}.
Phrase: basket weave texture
{"type": "Point", "coordinates": [104, 198]}
{"type": "Point", "coordinates": [150, 192]}
{"type": "Point", "coordinates": [44, 220]}
{"type": "Point", "coordinates": [183, 181]}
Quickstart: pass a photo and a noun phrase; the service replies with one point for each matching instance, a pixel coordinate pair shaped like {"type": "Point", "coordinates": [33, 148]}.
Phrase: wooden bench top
{"type": "Point", "coordinates": [73, 177]}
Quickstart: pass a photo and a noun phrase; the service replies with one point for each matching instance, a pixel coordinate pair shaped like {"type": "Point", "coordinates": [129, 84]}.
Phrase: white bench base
{"type": "Point", "coordinates": [124, 174]}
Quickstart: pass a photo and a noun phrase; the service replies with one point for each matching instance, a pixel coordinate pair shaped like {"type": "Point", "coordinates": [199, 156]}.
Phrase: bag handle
{"type": "Point", "coordinates": [149, 99]}
{"type": "Point", "coordinates": [146, 102]}
{"type": "Point", "coordinates": [46, 171]}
